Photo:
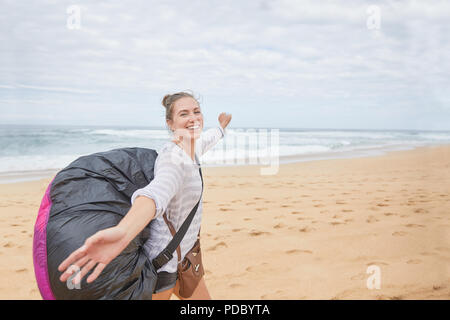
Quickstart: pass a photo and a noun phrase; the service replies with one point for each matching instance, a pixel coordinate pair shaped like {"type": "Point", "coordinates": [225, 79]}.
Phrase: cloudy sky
{"type": "Point", "coordinates": [271, 63]}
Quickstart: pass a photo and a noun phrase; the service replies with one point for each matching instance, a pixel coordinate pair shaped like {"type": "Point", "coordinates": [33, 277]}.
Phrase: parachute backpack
{"type": "Point", "coordinates": [91, 194]}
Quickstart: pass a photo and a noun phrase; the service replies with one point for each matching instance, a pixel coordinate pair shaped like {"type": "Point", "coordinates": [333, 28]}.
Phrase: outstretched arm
{"type": "Point", "coordinates": [224, 119]}
{"type": "Point", "coordinates": [101, 248]}
{"type": "Point", "coordinates": [147, 203]}
{"type": "Point", "coordinates": [210, 137]}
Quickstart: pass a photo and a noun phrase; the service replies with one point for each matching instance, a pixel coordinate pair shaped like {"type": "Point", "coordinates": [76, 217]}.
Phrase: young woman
{"type": "Point", "coordinates": [175, 190]}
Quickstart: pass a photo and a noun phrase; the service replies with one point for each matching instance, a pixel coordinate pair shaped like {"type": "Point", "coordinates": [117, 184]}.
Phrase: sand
{"type": "Point", "coordinates": [309, 232]}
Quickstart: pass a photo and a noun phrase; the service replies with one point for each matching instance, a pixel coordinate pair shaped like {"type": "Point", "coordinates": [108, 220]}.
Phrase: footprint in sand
{"type": "Point", "coordinates": [346, 210]}
{"type": "Point", "coordinates": [254, 268]}
{"type": "Point", "coordinates": [390, 214]}
{"type": "Point", "coordinates": [21, 270]}
{"type": "Point", "coordinates": [304, 196]}
{"type": "Point", "coordinates": [296, 212]}
{"type": "Point", "coordinates": [8, 245]}
{"type": "Point", "coordinates": [382, 205]}
{"type": "Point", "coordinates": [217, 245]}
{"type": "Point", "coordinates": [235, 285]}
{"type": "Point", "coordinates": [438, 287]}
{"type": "Point", "coordinates": [335, 223]}
{"type": "Point", "coordinates": [286, 206]}
{"type": "Point", "coordinates": [234, 201]}
{"type": "Point", "coordinates": [385, 297]}
{"type": "Point", "coordinates": [261, 209]}
{"type": "Point", "coordinates": [414, 261]}
{"type": "Point", "coordinates": [257, 198]}
{"type": "Point", "coordinates": [319, 205]}
{"type": "Point", "coordinates": [341, 202]}
{"type": "Point", "coordinates": [250, 203]}
{"type": "Point", "coordinates": [420, 210]}
{"type": "Point", "coordinates": [306, 229]}
{"type": "Point", "coordinates": [256, 233]}
{"type": "Point", "coordinates": [247, 219]}
{"type": "Point", "coordinates": [399, 233]}
{"type": "Point", "coordinates": [372, 219]}
{"type": "Point", "coordinates": [412, 225]}
{"type": "Point", "coordinates": [279, 226]}
{"type": "Point", "coordinates": [225, 209]}
{"type": "Point", "coordinates": [293, 251]}
{"type": "Point", "coordinates": [236, 230]}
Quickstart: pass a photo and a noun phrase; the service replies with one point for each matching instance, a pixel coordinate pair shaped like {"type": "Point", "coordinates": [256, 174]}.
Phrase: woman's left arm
{"type": "Point", "coordinates": [210, 137]}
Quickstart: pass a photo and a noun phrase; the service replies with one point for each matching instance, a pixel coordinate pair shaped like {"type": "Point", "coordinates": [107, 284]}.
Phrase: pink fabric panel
{"type": "Point", "coordinates": [40, 247]}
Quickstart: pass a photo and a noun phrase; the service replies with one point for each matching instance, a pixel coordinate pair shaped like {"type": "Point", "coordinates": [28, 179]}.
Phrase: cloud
{"type": "Point", "coordinates": [55, 89]}
{"type": "Point", "coordinates": [290, 51]}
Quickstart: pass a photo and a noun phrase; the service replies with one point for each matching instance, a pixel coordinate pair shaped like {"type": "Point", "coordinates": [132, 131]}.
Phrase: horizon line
{"type": "Point", "coordinates": [240, 127]}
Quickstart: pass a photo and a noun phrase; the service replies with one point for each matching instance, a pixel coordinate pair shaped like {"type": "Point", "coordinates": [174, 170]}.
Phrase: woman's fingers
{"type": "Point", "coordinates": [85, 271]}
{"type": "Point", "coordinates": [96, 272]}
{"type": "Point", "coordinates": [74, 256]}
{"type": "Point", "coordinates": [76, 266]}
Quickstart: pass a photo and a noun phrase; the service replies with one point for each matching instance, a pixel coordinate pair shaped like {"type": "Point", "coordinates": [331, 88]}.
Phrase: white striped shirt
{"type": "Point", "coordinates": [176, 189]}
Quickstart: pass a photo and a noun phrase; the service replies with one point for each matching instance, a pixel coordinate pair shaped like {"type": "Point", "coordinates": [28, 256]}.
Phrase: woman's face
{"type": "Point", "coordinates": [187, 118]}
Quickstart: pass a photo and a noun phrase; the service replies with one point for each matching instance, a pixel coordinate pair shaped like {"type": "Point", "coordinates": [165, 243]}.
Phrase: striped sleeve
{"type": "Point", "coordinates": [209, 138]}
{"type": "Point", "coordinates": [167, 181]}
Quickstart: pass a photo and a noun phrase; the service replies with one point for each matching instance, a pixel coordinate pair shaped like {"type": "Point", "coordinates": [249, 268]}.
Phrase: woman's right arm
{"type": "Point", "coordinates": [147, 203]}
{"type": "Point", "coordinates": [101, 248]}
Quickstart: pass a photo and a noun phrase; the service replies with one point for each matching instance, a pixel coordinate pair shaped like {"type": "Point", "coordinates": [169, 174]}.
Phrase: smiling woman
{"type": "Point", "coordinates": [166, 202]}
{"type": "Point", "coordinates": [183, 112]}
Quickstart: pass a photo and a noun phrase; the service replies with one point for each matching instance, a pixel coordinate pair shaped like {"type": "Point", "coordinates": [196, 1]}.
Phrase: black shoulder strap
{"type": "Point", "coordinates": [167, 254]}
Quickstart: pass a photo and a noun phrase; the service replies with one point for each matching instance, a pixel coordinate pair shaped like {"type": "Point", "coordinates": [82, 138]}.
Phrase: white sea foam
{"type": "Point", "coordinates": [27, 149]}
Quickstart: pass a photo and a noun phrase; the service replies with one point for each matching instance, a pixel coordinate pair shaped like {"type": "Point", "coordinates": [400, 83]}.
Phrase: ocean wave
{"type": "Point", "coordinates": [156, 134]}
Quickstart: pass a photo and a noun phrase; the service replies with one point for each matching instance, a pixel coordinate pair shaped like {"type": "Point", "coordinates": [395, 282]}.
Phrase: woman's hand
{"type": "Point", "coordinates": [99, 249]}
{"type": "Point", "coordinates": [224, 119]}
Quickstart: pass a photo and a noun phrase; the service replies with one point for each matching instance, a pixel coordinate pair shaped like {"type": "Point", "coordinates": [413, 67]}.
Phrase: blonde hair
{"type": "Point", "coordinates": [169, 100]}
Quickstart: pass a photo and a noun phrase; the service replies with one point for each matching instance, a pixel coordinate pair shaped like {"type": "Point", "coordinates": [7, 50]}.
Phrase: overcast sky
{"type": "Point", "coordinates": [271, 63]}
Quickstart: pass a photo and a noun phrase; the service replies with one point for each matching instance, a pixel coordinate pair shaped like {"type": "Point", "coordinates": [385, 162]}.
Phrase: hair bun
{"type": "Point", "coordinates": [166, 101]}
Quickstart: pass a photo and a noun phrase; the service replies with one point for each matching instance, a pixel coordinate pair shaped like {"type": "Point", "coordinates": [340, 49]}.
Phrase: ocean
{"type": "Point", "coordinates": [30, 152]}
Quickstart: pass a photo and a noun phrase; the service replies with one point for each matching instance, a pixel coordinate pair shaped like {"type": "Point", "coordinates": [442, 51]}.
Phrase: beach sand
{"type": "Point", "coordinates": [309, 232]}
